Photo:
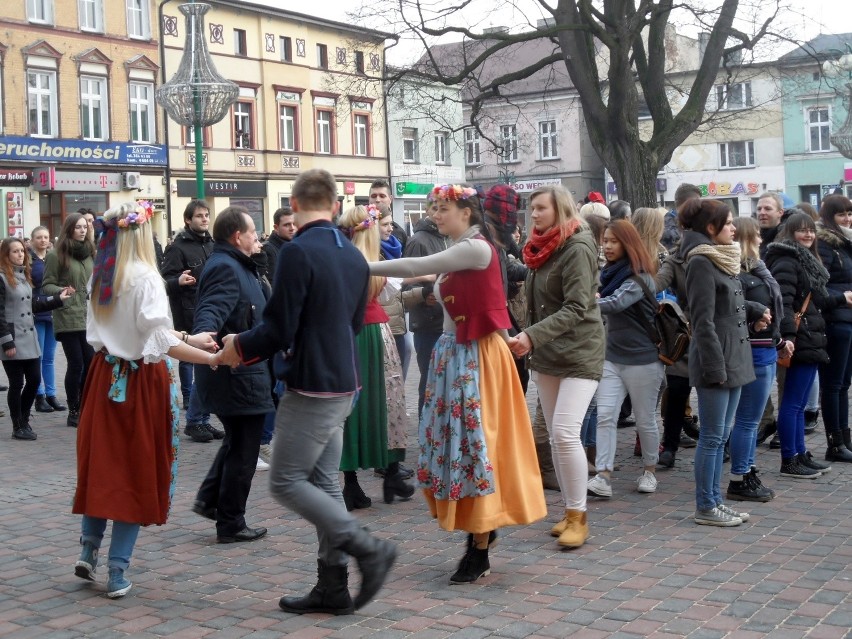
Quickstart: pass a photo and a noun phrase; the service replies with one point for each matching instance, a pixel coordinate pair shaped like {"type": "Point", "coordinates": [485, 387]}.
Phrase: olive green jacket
{"type": "Point", "coordinates": [72, 316]}
{"type": "Point", "coordinates": [565, 325]}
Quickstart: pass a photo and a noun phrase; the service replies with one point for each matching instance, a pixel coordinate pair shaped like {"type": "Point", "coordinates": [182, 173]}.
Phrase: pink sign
{"type": "Point", "coordinates": [847, 172]}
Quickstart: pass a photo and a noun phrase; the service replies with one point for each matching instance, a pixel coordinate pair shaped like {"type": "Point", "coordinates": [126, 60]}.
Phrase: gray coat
{"type": "Point", "coordinates": [18, 328]}
{"type": "Point", "coordinates": [719, 352]}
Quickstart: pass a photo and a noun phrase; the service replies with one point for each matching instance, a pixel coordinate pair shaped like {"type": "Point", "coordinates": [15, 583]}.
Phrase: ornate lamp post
{"type": "Point", "coordinates": [839, 68]}
{"type": "Point", "coordinates": [197, 95]}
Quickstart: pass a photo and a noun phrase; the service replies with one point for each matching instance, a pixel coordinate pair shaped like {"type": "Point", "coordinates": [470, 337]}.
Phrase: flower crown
{"type": "Point", "coordinates": [452, 192]}
{"type": "Point", "coordinates": [372, 218]}
{"type": "Point", "coordinates": [129, 214]}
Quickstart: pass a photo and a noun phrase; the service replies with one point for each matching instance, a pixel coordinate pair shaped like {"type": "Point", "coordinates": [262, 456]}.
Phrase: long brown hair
{"type": "Point", "coordinates": [628, 237]}
{"type": "Point", "coordinates": [66, 236]}
{"type": "Point", "coordinates": [6, 262]}
{"type": "Point", "coordinates": [748, 232]}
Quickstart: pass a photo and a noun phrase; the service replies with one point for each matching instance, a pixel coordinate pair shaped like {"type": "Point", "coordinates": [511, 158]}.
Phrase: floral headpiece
{"type": "Point", "coordinates": [373, 215]}
{"type": "Point", "coordinates": [452, 192]}
{"type": "Point", "coordinates": [130, 215]}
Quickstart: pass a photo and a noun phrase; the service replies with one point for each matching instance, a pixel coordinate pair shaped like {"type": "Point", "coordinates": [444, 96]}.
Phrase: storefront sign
{"type": "Point", "coordinates": [531, 185]}
{"type": "Point", "coordinates": [49, 179]}
{"type": "Point", "coordinates": [412, 188]}
{"type": "Point", "coordinates": [349, 188]}
{"type": "Point", "coordinates": [81, 152]}
{"type": "Point", "coordinates": [15, 213]}
{"type": "Point", "coordinates": [722, 189]}
{"type": "Point", "coordinates": [223, 188]}
{"type": "Point", "coordinates": [13, 177]}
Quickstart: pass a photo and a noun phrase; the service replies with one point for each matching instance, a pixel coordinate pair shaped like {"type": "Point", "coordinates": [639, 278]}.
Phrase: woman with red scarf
{"type": "Point", "coordinates": [565, 339]}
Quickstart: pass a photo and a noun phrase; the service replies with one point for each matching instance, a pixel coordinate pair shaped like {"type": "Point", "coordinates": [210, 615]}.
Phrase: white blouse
{"type": "Point", "coordinates": [140, 324]}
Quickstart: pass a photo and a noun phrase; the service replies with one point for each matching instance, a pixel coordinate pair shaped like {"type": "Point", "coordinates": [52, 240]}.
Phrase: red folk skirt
{"type": "Point", "coordinates": [127, 441]}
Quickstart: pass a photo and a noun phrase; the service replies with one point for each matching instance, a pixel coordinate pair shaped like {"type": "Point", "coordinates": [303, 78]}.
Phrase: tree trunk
{"type": "Point", "coordinates": [634, 169]}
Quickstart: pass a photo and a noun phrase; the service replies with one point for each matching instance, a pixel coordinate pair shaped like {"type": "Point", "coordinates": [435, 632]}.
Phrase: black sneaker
{"type": "Point", "coordinates": [807, 460]}
{"type": "Point", "coordinates": [754, 478]}
{"type": "Point", "coordinates": [198, 433]}
{"type": "Point", "coordinates": [792, 468]}
{"type": "Point", "coordinates": [745, 490]}
{"type": "Point", "coordinates": [667, 459]}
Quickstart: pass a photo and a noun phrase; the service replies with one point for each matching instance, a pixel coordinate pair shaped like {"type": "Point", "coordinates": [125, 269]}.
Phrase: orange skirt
{"type": "Point", "coordinates": [518, 497]}
{"type": "Point", "coordinates": [127, 451]}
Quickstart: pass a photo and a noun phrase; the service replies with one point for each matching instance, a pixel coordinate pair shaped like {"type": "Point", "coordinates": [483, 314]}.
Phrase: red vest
{"type": "Point", "coordinates": [475, 300]}
{"type": "Point", "coordinates": [374, 313]}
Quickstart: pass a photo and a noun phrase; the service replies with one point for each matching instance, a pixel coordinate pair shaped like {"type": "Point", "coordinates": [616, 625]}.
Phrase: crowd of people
{"type": "Point", "coordinates": [299, 346]}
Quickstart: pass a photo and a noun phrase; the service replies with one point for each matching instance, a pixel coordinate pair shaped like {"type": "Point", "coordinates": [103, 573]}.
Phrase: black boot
{"type": "Point", "coordinates": [330, 595]}
{"type": "Point", "coordinates": [353, 494]}
{"type": "Point", "coordinates": [21, 432]}
{"type": "Point", "coordinates": [765, 430]}
{"type": "Point", "coordinates": [394, 485]}
{"type": "Point", "coordinates": [473, 565]}
{"type": "Point", "coordinates": [811, 417]}
{"type": "Point", "coordinates": [837, 451]}
{"type": "Point", "coordinates": [55, 404]}
{"type": "Point", "coordinates": [375, 557]}
{"type": "Point", "coordinates": [73, 414]}
{"type": "Point", "coordinates": [41, 405]}
{"type": "Point", "coordinates": [847, 438]}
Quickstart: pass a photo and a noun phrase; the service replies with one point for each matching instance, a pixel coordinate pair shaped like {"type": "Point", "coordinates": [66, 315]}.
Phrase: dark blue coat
{"type": "Point", "coordinates": [835, 251]}
{"type": "Point", "coordinates": [317, 306]}
{"type": "Point", "coordinates": [231, 300]}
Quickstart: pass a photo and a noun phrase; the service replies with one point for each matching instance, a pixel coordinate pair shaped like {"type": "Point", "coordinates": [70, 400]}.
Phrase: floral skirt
{"type": "Point", "coordinates": [395, 393]}
{"type": "Point", "coordinates": [127, 441]}
{"type": "Point", "coordinates": [477, 465]}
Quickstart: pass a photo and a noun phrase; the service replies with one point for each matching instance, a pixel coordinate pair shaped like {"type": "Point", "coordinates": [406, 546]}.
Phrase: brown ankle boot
{"type": "Point", "coordinates": [559, 528]}
{"type": "Point", "coordinates": [576, 531]}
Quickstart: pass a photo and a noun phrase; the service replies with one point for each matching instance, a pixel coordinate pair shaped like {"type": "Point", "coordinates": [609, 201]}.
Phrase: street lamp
{"type": "Point", "coordinates": [197, 95]}
{"type": "Point", "coordinates": [842, 139]}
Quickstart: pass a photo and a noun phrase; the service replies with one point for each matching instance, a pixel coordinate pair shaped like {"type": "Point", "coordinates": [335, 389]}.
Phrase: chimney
{"type": "Point", "coordinates": [703, 39]}
{"type": "Point", "coordinates": [492, 30]}
{"type": "Point", "coordinates": [544, 23]}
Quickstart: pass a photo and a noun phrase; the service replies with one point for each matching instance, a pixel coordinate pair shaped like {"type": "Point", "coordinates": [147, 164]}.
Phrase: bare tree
{"type": "Point", "coordinates": [614, 53]}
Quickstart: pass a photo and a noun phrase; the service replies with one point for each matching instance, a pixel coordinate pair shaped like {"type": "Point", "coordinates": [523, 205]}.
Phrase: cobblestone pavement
{"type": "Point", "coordinates": [647, 571]}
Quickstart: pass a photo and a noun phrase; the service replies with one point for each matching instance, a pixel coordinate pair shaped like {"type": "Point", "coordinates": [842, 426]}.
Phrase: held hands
{"type": "Point", "coordinates": [66, 293]}
{"type": "Point", "coordinates": [763, 323]}
{"type": "Point", "coordinates": [186, 279]}
{"type": "Point", "coordinates": [520, 345]}
{"type": "Point", "coordinates": [228, 356]}
{"type": "Point", "coordinates": [205, 341]}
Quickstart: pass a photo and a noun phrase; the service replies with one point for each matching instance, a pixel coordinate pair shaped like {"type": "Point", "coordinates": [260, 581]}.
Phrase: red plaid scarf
{"type": "Point", "coordinates": [540, 246]}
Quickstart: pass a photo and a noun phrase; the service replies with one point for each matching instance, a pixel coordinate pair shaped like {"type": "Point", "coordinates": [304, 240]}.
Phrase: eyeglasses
{"type": "Point", "coordinates": [806, 231]}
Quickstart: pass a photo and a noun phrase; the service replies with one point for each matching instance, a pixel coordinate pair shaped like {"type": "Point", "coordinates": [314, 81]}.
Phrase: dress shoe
{"type": "Point", "coordinates": [216, 432]}
{"type": "Point", "coordinates": [200, 508]}
{"type": "Point", "coordinates": [55, 403]}
{"type": "Point", "coordinates": [41, 405]}
{"type": "Point", "coordinates": [246, 534]}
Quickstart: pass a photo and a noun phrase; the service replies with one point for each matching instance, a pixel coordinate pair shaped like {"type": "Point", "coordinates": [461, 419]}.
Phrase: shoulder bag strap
{"type": "Point", "coordinates": [649, 327]}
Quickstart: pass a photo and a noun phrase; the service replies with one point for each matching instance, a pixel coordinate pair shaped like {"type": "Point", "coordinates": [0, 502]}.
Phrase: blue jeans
{"type": "Point", "coordinates": [424, 343]}
{"type": "Point", "coordinates": [304, 474]}
{"type": "Point", "coordinates": [589, 430]}
{"type": "Point", "coordinates": [749, 411]}
{"type": "Point", "coordinates": [47, 343]}
{"type": "Point", "coordinates": [813, 396]}
{"type": "Point", "coordinates": [835, 376]}
{"type": "Point", "coordinates": [120, 546]}
{"type": "Point", "coordinates": [194, 413]}
{"type": "Point", "coordinates": [791, 412]}
{"type": "Point", "coordinates": [185, 373]}
{"type": "Point", "coordinates": [716, 409]}
{"type": "Point", "coordinates": [269, 421]}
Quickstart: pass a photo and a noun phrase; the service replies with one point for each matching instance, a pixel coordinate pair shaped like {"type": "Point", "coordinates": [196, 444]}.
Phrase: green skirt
{"type": "Point", "coordinates": [365, 433]}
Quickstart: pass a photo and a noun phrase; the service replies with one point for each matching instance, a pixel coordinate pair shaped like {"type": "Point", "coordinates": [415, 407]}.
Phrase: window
{"type": "Point", "coordinates": [287, 124]}
{"type": "Point", "coordinates": [138, 19]}
{"type": "Point", "coordinates": [509, 143]}
{"type": "Point", "coordinates": [359, 61]}
{"type": "Point", "coordinates": [189, 136]}
{"type": "Point", "coordinates": [93, 108]}
{"type": "Point", "coordinates": [40, 11]}
{"type": "Point", "coordinates": [141, 112]}
{"type": "Point", "coordinates": [409, 145]}
{"type": "Point", "coordinates": [734, 96]}
{"type": "Point", "coordinates": [547, 142]}
{"type": "Point", "coordinates": [819, 129]}
{"type": "Point", "coordinates": [91, 15]}
{"type": "Point", "coordinates": [243, 138]}
{"type": "Point", "coordinates": [324, 132]}
{"type": "Point", "coordinates": [736, 154]}
{"type": "Point", "coordinates": [286, 46]}
{"type": "Point", "coordinates": [471, 147]}
{"type": "Point", "coordinates": [42, 103]}
{"type": "Point", "coordinates": [322, 56]}
{"type": "Point", "coordinates": [362, 134]}
{"type": "Point", "coordinates": [442, 155]}
{"type": "Point", "coordinates": [240, 42]}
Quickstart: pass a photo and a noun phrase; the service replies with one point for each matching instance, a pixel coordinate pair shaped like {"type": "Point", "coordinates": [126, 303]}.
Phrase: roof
{"type": "Point", "coordinates": [370, 34]}
{"type": "Point", "coordinates": [825, 46]}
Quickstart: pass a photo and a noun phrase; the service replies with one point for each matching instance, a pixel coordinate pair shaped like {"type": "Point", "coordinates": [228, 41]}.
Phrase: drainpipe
{"type": "Point", "coordinates": [168, 170]}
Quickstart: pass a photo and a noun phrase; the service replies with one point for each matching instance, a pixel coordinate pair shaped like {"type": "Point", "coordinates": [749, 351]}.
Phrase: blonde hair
{"type": "Point", "coordinates": [775, 197]}
{"type": "Point", "coordinates": [748, 232]}
{"type": "Point", "coordinates": [134, 244]}
{"type": "Point", "coordinates": [366, 238]}
{"type": "Point", "coordinates": [563, 204]}
{"type": "Point", "coordinates": [650, 223]}
{"type": "Point", "coordinates": [594, 208]}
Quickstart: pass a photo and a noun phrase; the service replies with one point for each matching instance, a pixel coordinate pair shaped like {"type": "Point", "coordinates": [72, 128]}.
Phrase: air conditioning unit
{"type": "Point", "coordinates": [131, 181]}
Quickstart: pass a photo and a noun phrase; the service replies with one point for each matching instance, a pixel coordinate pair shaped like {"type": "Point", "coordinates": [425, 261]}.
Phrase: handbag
{"type": "Point", "coordinates": [669, 330]}
{"type": "Point", "coordinates": [785, 362]}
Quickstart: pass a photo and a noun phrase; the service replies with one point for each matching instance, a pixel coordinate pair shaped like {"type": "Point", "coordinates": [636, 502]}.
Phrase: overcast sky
{"type": "Point", "coordinates": [806, 19]}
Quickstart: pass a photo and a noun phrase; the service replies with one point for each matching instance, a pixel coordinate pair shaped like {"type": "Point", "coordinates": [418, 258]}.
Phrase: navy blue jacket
{"type": "Point", "coordinates": [231, 300]}
{"type": "Point", "coordinates": [37, 275]}
{"type": "Point", "coordinates": [319, 293]}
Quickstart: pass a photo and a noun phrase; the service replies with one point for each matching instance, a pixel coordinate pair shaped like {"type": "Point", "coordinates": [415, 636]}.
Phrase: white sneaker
{"type": "Point", "coordinates": [647, 483]}
{"type": "Point", "coordinates": [600, 486]}
{"type": "Point", "coordinates": [733, 513]}
{"type": "Point", "coordinates": [261, 465]}
{"type": "Point", "coordinates": [266, 452]}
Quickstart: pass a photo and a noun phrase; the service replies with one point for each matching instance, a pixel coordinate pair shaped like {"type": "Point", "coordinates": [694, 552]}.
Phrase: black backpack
{"type": "Point", "coordinates": [670, 330]}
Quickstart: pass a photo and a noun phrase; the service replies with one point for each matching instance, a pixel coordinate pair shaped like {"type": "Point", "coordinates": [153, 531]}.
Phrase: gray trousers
{"type": "Point", "coordinates": [304, 470]}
